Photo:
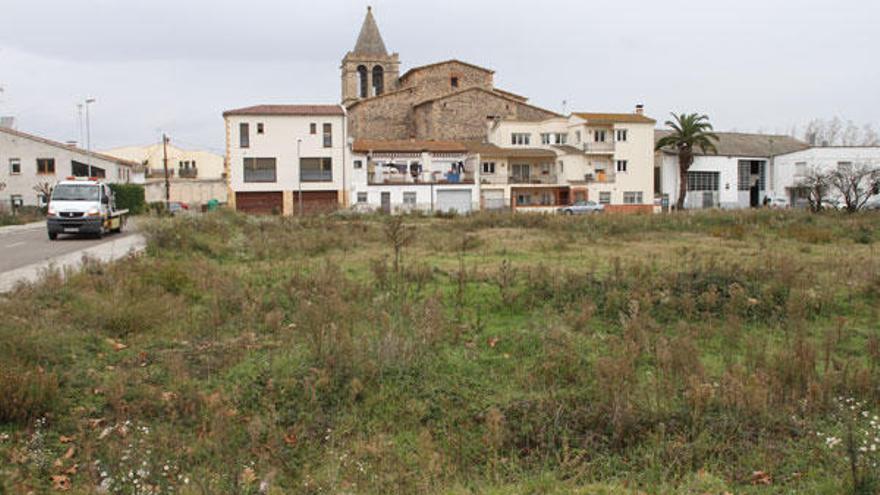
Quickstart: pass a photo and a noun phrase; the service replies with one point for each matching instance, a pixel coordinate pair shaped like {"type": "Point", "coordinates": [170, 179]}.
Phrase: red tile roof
{"type": "Point", "coordinates": [325, 110]}
{"type": "Point", "coordinates": [68, 147]}
{"type": "Point", "coordinates": [614, 118]}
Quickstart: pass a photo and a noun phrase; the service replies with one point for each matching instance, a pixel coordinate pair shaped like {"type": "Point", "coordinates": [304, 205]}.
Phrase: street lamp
{"type": "Point", "coordinates": [299, 174]}
{"type": "Point", "coordinates": [88, 102]}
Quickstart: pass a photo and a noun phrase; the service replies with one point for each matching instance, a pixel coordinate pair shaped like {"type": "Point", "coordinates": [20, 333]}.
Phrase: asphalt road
{"type": "Point", "coordinates": [26, 247]}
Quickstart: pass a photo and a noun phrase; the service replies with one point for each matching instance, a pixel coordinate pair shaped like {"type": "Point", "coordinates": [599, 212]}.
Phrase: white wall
{"type": "Point", "coordinates": [209, 165]}
{"type": "Point", "coordinates": [279, 141]}
{"type": "Point", "coordinates": [824, 158]}
{"type": "Point", "coordinates": [27, 151]}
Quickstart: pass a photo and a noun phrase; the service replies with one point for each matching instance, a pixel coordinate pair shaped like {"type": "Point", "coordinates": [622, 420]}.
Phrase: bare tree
{"type": "Point", "coordinates": [43, 189]}
{"type": "Point", "coordinates": [818, 184]}
{"type": "Point", "coordinates": [834, 132]}
{"type": "Point", "coordinates": [855, 183]}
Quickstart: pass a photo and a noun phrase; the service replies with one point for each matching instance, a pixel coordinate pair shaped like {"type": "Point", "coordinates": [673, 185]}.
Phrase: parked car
{"type": "Point", "coordinates": [177, 207]}
{"type": "Point", "coordinates": [582, 208]}
{"type": "Point", "coordinates": [873, 203]}
{"type": "Point", "coordinates": [778, 203]}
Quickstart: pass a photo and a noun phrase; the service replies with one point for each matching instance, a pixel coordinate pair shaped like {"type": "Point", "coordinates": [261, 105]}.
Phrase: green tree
{"type": "Point", "coordinates": [689, 131]}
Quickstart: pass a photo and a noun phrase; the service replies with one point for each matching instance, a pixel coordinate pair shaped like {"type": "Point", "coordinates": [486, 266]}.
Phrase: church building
{"type": "Point", "coordinates": [450, 100]}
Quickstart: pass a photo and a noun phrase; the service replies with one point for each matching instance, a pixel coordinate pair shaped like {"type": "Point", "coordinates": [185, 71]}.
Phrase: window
{"type": "Point", "coordinates": [800, 169]}
{"type": "Point", "coordinates": [632, 197]}
{"type": "Point", "coordinates": [17, 200]}
{"type": "Point", "coordinates": [599, 136]}
{"type": "Point", "coordinates": [409, 198]}
{"type": "Point", "coordinates": [378, 80]}
{"type": "Point", "coordinates": [621, 135]}
{"type": "Point", "coordinates": [577, 137]}
{"type": "Point", "coordinates": [488, 167]}
{"type": "Point", "coordinates": [328, 135]}
{"type": "Point", "coordinates": [749, 169]}
{"type": "Point", "coordinates": [844, 167]}
{"type": "Point", "coordinates": [621, 165]}
{"type": "Point", "coordinates": [358, 164]}
{"type": "Point", "coordinates": [260, 128]}
{"type": "Point", "coordinates": [453, 81]}
{"type": "Point", "coordinates": [259, 170]}
{"type": "Point", "coordinates": [14, 166]}
{"type": "Point", "coordinates": [702, 181]}
{"type": "Point", "coordinates": [561, 138]}
{"type": "Point", "coordinates": [362, 197]}
{"type": "Point", "coordinates": [244, 135]}
{"type": "Point", "coordinates": [313, 128]}
{"type": "Point", "coordinates": [520, 138]}
{"type": "Point", "coordinates": [521, 171]}
{"type": "Point", "coordinates": [545, 138]}
{"type": "Point", "coordinates": [45, 166]}
{"type": "Point", "coordinates": [561, 167]}
{"type": "Point", "coordinates": [316, 169]}
{"type": "Point", "coordinates": [363, 84]}
{"type": "Point", "coordinates": [605, 197]}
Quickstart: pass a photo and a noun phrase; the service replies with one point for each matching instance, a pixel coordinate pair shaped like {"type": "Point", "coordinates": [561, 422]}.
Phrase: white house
{"type": "Point", "coordinates": [407, 175]}
{"type": "Point", "coordinates": [182, 163]}
{"type": "Point", "coordinates": [741, 174]}
{"type": "Point", "coordinates": [538, 166]}
{"type": "Point", "coordinates": [791, 167]}
{"type": "Point", "coordinates": [29, 162]}
{"type": "Point", "coordinates": [287, 158]}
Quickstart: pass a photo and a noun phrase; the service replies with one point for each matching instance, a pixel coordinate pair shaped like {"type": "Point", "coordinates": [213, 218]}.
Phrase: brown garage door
{"type": "Point", "coordinates": [259, 202]}
{"type": "Point", "coordinates": [316, 201]}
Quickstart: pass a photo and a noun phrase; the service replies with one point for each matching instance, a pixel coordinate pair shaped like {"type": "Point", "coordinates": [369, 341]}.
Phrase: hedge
{"type": "Point", "coordinates": [130, 197]}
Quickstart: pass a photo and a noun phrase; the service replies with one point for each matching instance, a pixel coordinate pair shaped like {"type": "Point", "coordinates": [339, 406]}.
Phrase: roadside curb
{"type": "Point", "coordinates": [106, 252]}
{"type": "Point", "coordinates": [9, 229]}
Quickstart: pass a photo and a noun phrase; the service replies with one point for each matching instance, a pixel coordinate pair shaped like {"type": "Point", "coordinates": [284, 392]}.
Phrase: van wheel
{"type": "Point", "coordinates": [53, 236]}
{"type": "Point", "coordinates": [569, 212]}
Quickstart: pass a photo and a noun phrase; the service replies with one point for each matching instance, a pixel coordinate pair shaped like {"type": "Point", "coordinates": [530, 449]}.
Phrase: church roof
{"type": "Point", "coordinates": [492, 92]}
{"type": "Point", "coordinates": [450, 61]}
{"type": "Point", "coordinates": [370, 42]}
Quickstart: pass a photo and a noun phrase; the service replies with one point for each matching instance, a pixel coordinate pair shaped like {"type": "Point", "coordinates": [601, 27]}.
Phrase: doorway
{"type": "Point", "coordinates": [386, 202]}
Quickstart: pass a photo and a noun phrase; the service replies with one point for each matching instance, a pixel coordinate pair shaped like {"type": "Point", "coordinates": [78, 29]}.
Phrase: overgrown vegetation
{"type": "Point", "coordinates": [508, 354]}
{"type": "Point", "coordinates": [131, 197]}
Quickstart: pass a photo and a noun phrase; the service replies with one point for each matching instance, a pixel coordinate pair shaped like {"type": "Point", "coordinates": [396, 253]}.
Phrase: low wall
{"type": "Point", "coordinates": [190, 191]}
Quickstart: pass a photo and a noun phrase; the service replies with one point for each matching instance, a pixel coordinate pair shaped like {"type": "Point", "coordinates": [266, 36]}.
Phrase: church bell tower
{"type": "Point", "coordinates": [368, 70]}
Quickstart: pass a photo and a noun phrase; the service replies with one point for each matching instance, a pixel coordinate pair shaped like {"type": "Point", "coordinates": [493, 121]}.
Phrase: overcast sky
{"type": "Point", "coordinates": [174, 66]}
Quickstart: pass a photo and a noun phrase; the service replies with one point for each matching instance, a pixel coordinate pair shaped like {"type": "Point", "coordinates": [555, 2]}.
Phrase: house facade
{"type": "Point", "coordinates": [539, 166]}
{"type": "Point", "coordinates": [409, 175]}
{"type": "Point", "coordinates": [742, 173]}
{"type": "Point", "coordinates": [792, 167]}
{"type": "Point", "coordinates": [182, 163]}
{"type": "Point", "coordinates": [286, 159]}
{"type": "Point", "coordinates": [29, 163]}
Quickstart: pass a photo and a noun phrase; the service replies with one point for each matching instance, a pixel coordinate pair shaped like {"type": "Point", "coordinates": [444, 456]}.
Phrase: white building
{"type": "Point", "coordinates": [538, 166]}
{"type": "Point", "coordinates": [407, 175]}
{"type": "Point", "coordinates": [286, 158]}
{"type": "Point", "coordinates": [29, 162]}
{"type": "Point", "coordinates": [741, 174]}
{"type": "Point", "coordinates": [791, 167]}
{"type": "Point", "coordinates": [182, 163]}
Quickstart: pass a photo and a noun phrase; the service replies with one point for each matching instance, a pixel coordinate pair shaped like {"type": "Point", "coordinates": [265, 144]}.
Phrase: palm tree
{"type": "Point", "coordinates": [689, 131]}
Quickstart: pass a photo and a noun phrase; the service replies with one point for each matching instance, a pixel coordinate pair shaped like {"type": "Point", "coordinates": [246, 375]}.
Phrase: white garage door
{"type": "Point", "coordinates": [457, 200]}
{"type": "Point", "coordinates": [494, 199]}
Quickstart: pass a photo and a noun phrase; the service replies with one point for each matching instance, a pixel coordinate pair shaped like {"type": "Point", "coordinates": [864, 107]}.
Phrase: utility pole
{"type": "Point", "coordinates": [165, 165]}
{"type": "Point", "coordinates": [88, 138]}
{"type": "Point", "coordinates": [299, 174]}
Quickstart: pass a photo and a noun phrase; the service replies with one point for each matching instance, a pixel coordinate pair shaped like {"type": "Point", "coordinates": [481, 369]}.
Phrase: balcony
{"type": "Point", "coordinates": [600, 147]}
{"type": "Point", "coordinates": [600, 177]}
{"type": "Point", "coordinates": [533, 179]}
{"type": "Point", "coordinates": [188, 173]}
{"type": "Point", "coordinates": [403, 175]}
{"type": "Point", "coordinates": [158, 173]}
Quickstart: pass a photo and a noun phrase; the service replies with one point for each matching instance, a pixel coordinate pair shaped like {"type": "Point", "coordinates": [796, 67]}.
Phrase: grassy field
{"type": "Point", "coordinates": [693, 353]}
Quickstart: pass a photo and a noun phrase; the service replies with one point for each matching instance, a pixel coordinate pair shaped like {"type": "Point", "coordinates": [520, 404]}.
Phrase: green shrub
{"type": "Point", "coordinates": [129, 197]}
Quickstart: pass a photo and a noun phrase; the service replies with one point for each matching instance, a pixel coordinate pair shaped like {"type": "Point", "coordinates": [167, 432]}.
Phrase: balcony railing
{"type": "Point", "coordinates": [425, 177]}
{"type": "Point", "coordinates": [600, 147]}
{"type": "Point", "coordinates": [188, 173]}
{"type": "Point", "coordinates": [533, 179]}
{"type": "Point", "coordinates": [153, 173]}
{"type": "Point", "coordinates": [600, 177]}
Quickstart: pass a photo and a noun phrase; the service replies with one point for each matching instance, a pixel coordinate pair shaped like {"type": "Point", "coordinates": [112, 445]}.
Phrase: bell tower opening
{"type": "Point", "coordinates": [369, 70]}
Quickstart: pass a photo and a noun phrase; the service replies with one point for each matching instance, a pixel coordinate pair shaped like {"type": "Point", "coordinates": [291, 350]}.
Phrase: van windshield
{"type": "Point", "coordinates": [76, 192]}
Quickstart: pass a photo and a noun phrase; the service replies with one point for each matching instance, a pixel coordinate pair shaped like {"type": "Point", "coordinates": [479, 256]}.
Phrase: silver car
{"type": "Point", "coordinates": [582, 208]}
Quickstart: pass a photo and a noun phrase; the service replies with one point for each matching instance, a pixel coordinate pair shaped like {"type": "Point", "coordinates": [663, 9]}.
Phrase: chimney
{"type": "Point", "coordinates": [640, 109]}
{"type": "Point", "coordinates": [7, 122]}
{"type": "Point", "coordinates": [71, 144]}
